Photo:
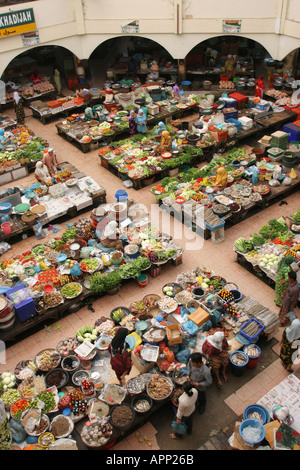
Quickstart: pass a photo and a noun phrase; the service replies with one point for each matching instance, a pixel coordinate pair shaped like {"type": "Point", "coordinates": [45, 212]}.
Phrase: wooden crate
{"type": "Point", "coordinates": [199, 316]}
{"type": "Point", "coordinates": [174, 334]}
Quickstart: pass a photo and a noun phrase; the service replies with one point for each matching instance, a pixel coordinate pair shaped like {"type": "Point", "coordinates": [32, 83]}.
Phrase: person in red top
{"type": "Point", "coordinates": [259, 87]}
{"type": "Point", "coordinates": [35, 77]}
{"type": "Point", "coordinates": [215, 347]}
{"type": "Point", "coordinates": [120, 359]}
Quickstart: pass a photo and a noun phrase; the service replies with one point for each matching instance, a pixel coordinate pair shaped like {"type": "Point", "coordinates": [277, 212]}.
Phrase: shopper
{"type": "Point", "coordinates": [282, 281]}
{"type": "Point", "coordinates": [200, 377]}
{"type": "Point", "coordinates": [215, 347]}
{"type": "Point", "coordinates": [57, 81]}
{"type": "Point", "coordinates": [120, 360]}
{"type": "Point", "coordinates": [290, 334]}
{"type": "Point", "coordinates": [141, 122]}
{"type": "Point", "coordinates": [19, 108]}
{"type": "Point", "coordinates": [186, 408]}
{"type": "Point", "coordinates": [131, 122]}
{"type": "Point", "coordinates": [289, 298]}
{"type": "Point", "coordinates": [49, 159]}
{"type": "Point", "coordinates": [160, 128]}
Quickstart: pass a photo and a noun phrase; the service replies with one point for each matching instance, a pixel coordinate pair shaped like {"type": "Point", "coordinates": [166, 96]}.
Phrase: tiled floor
{"type": "Point", "coordinates": [219, 257]}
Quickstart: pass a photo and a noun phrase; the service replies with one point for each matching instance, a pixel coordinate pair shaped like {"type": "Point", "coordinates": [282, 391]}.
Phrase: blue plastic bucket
{"type": "Point", "coordinates": [236, 369]}
{"type": "Point", "coordinates": [254, 408]}
{"type": "Point", "coordinates": [121, 195]}
{"type": "Point", "coordinates": [253, 423]}
{"type": "Point", "coordinates": [259, 407]}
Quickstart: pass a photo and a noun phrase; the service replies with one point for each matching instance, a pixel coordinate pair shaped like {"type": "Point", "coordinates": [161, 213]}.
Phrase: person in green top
{"type": "Point", "coordinates": [282, 280]}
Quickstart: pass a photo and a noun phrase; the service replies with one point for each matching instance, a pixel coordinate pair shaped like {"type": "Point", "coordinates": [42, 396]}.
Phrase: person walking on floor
{"type": "Point", "coordinates": [19, 108]}
{"type": "Point", "coordinates": [200, 377]}
{"type": "Point", "coordinates": [289, 298]}
{"type": "Point", "coordinates": [288, 346]}
{"type": "Point", "coordinates": [186, 408]}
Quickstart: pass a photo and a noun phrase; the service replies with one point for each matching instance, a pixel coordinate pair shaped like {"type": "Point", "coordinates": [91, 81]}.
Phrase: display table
{"type": "Point", "coordinates": [75, 200]}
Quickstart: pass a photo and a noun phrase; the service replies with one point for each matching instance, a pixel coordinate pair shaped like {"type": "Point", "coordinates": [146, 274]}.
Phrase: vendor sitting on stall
{"type": "Point", "coordinates": [49, 159]}
{"type": "Point", "coordinates": [110, 236]}
{"type": "Point", "coordinates": [88, 114]}
{"type": "Point", "coordinates": [42, 173]}
{"type": "Point", "coordinates": [120, 360]}
{"type": "Point", "coordinates": [215, 347]}
{"type": "Point", "coordinates": [221, 179]}
{"type": "Point", "coordinates": [141, 122]}
{"type": "Point", "coordinates": [165, 143]}
{"type": "Point", "coordinates": [160, 128]}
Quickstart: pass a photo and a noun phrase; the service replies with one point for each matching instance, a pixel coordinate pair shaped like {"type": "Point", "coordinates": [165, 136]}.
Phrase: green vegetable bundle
{"type": "Point", "coordinates": [243, 245]}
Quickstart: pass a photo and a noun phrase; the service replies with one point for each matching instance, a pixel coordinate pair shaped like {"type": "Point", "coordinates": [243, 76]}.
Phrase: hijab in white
{"type": "Point", "coordinates": [42, 171]}
{"type": "Point", "coordinates": [17, 97]}
{"type": "Point", "coordinates": [293, 331]}
{"type": "Point", "coordinates": [216, 339]}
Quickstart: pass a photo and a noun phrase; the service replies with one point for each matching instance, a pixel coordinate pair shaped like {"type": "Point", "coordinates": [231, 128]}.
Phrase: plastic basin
{"type": "Point", "coordinates": [252, 423]}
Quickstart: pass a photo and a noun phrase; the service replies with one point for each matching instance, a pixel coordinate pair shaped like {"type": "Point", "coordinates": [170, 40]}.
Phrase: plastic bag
{"type": "Point", "coordinates": [179, 428]}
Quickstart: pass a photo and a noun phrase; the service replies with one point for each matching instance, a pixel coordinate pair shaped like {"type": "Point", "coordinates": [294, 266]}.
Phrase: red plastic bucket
{"type": "Point", "coordinates": [6, 227]}
{"type": "Point", "coordinates": [252, 360]}
{"type": "Point", "coordinates": [142, 280]}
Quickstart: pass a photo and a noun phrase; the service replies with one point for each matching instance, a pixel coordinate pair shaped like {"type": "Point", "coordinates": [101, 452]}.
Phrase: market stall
{"type": "Point", "coordinates": [107, 122]}
{"type": "Point", "coordinates": [47, 110]}
{"type": "Point", "coordinates": [252, 179]}
{"type": "Point", "coordinates": [263, 251]}
{"type": "Point", "coordinates": [37, 204]}
{"type": "Point", "coordinates": [19, 153]}
{"type": "Point", "coordinates": [75, 381]}
{"type": "Point", "coordinates": [93, 257]}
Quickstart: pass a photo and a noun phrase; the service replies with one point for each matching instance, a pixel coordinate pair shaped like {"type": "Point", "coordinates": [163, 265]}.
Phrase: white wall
{"type": "Point", "coordinates": [82, 25]}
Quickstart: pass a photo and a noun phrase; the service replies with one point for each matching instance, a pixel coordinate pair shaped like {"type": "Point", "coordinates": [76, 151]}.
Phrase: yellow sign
{"type": "Point", "coordinates": [17, 22]}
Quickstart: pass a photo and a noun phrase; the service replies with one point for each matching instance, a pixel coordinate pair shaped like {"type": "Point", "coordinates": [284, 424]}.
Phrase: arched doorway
{"type": "Point", "coordinates": [110, 59]}
{"type": "Point", "coordinates": [43, 59]}
{"type": "Point", "coordinates": [207, 60]}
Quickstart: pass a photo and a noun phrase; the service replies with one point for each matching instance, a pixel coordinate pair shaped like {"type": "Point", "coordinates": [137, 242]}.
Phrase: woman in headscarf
{"type": "Point", "coordinates": [165, 143]}
{"type": "Point", "coordinates": [141, 122]}
{"type": "Point", "coordinates": [88, 114]}
{"type": "Point", "coordinates": [120, 360]}
{"type": "Point", "coordinates": [215, 347]}
{"type": "Point", "coordinates": [19, 108]}
{"type": "Point", "coordinates": [289, 297]}
{"type": "Point", "coordinates": [160, 128]}
{"type": "Point", "coordinates": [221, 178]}
{"type": "Point", "coordinates": [42, 173]}
{"type": "Point", "coordinates": [290, 334]}
{"type": "Point", "coordinates": [131, 122]}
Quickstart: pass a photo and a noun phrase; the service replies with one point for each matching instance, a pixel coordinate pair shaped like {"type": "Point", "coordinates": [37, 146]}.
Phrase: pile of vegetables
{"type": "Point", "coordinates": [87, 333]}
{"type": "Point", "coordinates": [242, 245]}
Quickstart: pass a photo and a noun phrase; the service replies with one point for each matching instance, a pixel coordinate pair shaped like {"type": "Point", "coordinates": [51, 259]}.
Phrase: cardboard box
{"type": "Point", "coordinates": [142, 368]}
{"type": "Point", "coordinates": [174, 334]}
{"type": "Point", "coordinates": [199, 316]}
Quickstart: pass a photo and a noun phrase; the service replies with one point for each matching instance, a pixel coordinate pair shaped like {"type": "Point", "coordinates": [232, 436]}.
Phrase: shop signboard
{"type": "Point", "coordinates": [132, 27]}
{"type": "Point", "coordinates": [31, 39]}
{"type": "Point", "coordinates": [232, 26]}
{"type": "Point", "coordinates": [17, 22]}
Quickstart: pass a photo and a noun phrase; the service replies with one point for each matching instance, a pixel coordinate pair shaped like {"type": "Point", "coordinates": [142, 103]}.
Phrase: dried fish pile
{"type": "Point", "coordinates": [142, 405]}
{"type": "Point", "coordinates": [260, 313]}
{"type": "Point", "coordinates": [135, 385]}
{"type": "Point", "coordinates": [251, 351]}
{"type": "Point", "coordinates": [255, 415]}
{"type": "Point", "coordinates": [251, 329]}
{"type": "Point", "coordinates": [239, 358]}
